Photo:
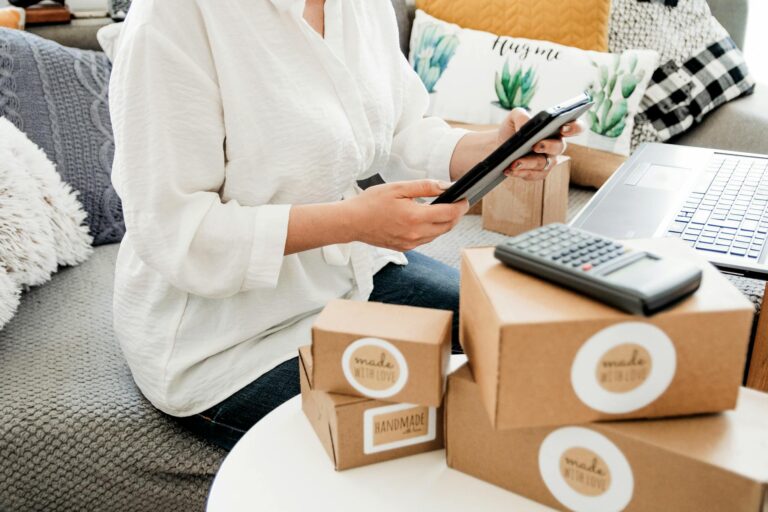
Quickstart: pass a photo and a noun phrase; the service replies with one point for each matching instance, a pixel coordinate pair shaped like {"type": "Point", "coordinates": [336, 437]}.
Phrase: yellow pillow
{"type": "Point", "coordinates": [12, 17]}
{"type": "Point", "coordinates": [579, 23]}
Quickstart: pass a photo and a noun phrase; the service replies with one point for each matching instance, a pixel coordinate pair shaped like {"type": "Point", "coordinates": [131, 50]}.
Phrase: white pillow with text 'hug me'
{"type": "Point", "coordinates": [478, 77]}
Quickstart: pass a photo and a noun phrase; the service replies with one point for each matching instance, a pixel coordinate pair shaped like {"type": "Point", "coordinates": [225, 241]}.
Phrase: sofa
{"type": "Point", "coordinates": [77, 435]}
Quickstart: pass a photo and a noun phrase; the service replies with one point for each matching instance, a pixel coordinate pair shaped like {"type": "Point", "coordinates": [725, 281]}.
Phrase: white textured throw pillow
{"type": "Point", "coordinates": [71, 239]}
{"type": "Point", "coordinates": [478, 77]}
{"type": "Point", "coordinates": [9, 297]}
{"type": "Point", "coordinates": [41, 220]}
{"type": "Point", "coordinates": [27, 251]}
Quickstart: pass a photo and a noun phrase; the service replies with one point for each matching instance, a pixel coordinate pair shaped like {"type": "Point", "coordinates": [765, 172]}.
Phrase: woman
{"type": "Point", "coordinates": [241, 128]}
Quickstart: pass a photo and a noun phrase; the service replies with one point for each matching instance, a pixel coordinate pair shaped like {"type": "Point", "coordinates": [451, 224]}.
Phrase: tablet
{"type": "Point", "coordinates": [484, 177]}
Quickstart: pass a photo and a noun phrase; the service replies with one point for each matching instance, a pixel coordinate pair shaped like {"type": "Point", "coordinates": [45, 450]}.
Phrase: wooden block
{"type": "Point", "coordinates": [47, 13]}
{"type": "Point", "coordinates": [592, 167]}
{"type": "Point", "coordinates": [517, 205]}
{"type": "Point", "coordinates": [555, 201]}
{"type": "Point", "coordinates": [757, 378]}
{"type": "Point", "coordinates": [477, 209]}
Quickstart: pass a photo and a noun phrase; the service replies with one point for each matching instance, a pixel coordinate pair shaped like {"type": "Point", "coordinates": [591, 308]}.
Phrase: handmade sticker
{"type": "Point", "coordinates": [375, 367]}
{"type": "Point", "coordinates": [624, 367]}
{"type": "Point", "coordinates": [398, 425]}
{"type": "Point", "coordinates": [585, 471]}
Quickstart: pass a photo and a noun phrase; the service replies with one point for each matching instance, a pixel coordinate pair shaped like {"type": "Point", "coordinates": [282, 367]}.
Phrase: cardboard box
{"type": "Point", "coordinates": [359, 431]}
{"type": "Point", "coordinates": [712, 463]}
{"type": "Point", "coordinates": [393, 353]}
{"type": "Point", "coordinates": [517, 206]}
{"type": "Point", "coordinates": [543, 355]}
{"type": "Point", "coordinates": [757, 377]}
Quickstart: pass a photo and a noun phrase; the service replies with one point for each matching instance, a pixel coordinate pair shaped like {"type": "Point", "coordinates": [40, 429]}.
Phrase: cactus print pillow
{"type": "Point", "coordinates": [478, 77]}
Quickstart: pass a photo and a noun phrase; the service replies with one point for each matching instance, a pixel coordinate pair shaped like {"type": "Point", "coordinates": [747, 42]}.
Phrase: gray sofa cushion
{"type": "Point", "coordinates": [76, 434]}
{"type": "Point", "coordinates": [58, 97]}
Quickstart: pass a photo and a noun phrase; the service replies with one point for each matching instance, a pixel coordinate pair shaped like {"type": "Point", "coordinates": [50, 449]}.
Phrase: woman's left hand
{"type": "Point", "coordinates": [536, 166]}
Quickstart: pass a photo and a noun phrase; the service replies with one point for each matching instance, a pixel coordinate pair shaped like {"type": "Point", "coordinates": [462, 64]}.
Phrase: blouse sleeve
{"type": "Point", "coordinates": [422, 146]}
{"type": "Point", "coordinates": [170, 166]}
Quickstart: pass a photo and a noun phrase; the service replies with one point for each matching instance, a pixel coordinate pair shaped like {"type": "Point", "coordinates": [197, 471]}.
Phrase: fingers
{"type": "Point", "coordinates": [572, 129]}
{"type": "Point", "coordinates": [513, 122]}
{"type": "Point", "coordinates": [530, 163]}
{"type": "Point", "coordinates": [518, 117]}
{"type": "Point", "coordinates": [551, 147]}
{"type": "Point", "coordinates": [443, 213]}
{"type": "Point", "coordinates": [420, 188]}
{"type": "Point", "coordinates": [530, 175]}
{"type": "Point", "coordinates": [426, 232]}
{"type": "Point", "coordinates": [531, 168]}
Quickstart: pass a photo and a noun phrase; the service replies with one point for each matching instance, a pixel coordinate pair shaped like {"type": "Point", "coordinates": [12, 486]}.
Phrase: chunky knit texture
{"type": "Point", "coordinates": [76, 434]}
{"type": "Point", "coordinates": [58, 97]}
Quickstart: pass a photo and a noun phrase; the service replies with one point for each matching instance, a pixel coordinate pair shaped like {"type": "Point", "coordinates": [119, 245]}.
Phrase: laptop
{"type": "Point", "coordinates": [715, 201]}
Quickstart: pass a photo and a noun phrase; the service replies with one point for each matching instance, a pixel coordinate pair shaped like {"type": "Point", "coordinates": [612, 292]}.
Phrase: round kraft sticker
{"type": "Point", "coordinates": [375, 367]}
{"type": "Point", "coordinates": [624, 367]}
{"type": "Point", "coordinates": [585, 471]}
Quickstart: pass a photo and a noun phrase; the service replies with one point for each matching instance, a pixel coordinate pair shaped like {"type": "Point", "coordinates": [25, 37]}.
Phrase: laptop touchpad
{"type": "Point", "coordinates": [663, 177]}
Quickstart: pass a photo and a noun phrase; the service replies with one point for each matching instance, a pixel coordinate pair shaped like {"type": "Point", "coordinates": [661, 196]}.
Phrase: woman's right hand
{"type": "Point", "coordinates": [387, 215]}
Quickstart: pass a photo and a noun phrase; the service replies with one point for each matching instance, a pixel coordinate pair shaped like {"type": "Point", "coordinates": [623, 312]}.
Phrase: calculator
{"type": "Point", "coordinates": [633, 281]}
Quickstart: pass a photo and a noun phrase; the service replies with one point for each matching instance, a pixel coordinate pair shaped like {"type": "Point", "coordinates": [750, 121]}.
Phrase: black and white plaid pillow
{"type": "Point", "coordinates": [679, 96]}
{"type": "Point", "coordinates": [118, 9]}
{"type": "Point", "coordinates": [702, 68]}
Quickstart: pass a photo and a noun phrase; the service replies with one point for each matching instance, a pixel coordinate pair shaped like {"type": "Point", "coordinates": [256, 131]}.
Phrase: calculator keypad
{"type": "Point", "coordinates": [568, 247]}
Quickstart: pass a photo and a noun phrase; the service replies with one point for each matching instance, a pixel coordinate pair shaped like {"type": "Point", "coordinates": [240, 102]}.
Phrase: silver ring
{"type": "Point", "coordinates": [565, 146]}
{"type": "Point", "coordinates": [549, 163]}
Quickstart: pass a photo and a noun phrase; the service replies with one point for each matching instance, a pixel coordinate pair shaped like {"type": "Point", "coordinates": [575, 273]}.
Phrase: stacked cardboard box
{"type": "Point", "coordinates": [549, 368]}
{"type": "Point", "coordinates": [372, 383]}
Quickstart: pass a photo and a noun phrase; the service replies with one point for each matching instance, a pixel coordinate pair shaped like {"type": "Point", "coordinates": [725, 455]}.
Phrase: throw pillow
{"type": "Point", "coordinates": [701, 67]}
{"type": "Point", "coordinates": [60, 205]}
{"type": "Point", "coordinates": [118, 9]}
{"type": "Point", "coordinates": [582, 24]}
{"type": "Point", "coordinates": [478, 77]}
{"type": "Point", "coordinates": [12, 17]}
{"type": "Point", "coordinates": [9, 298]}
{"type": "Point", "coordinates": [58, 97]}
{"type": "Point", "coordinates": [26, 236]}
{"type": "Point", "coordinates": [41, 221]}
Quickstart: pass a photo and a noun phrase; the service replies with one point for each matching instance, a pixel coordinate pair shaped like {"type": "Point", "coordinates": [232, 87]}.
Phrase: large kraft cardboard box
{"type": "Point", "coordinates": [359, 431]}
{"type": "Point", "coordinates": [383, 351]}
{"type": "Point", "coordinates": [710, 463]}
{"type": "Point", "coordinates": [543, 355]}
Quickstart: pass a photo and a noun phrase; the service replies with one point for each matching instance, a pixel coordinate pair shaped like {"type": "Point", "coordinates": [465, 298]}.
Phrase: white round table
{"type": "Point", "coordinates": [280, 465]}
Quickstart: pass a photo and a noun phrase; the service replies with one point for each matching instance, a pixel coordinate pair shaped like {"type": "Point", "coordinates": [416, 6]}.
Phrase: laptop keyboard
{"type": "Point", "coordinates": [727, 211]}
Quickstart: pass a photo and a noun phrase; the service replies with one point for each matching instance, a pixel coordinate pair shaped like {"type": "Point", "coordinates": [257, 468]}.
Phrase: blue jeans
{"type": "Point", "coordinates": [424, 282]}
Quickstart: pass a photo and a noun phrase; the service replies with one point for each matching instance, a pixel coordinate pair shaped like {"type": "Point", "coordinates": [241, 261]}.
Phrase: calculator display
{"type": "Point", "coordinates": [632, 269]}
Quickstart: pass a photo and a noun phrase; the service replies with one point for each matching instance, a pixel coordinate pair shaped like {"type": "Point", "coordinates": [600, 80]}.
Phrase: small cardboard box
{"type": "Point", "coordinates": [714, 463]}
{"type": "Point", "coordinates": [359, 431]}
{"type": "Point", "coordinates": [543, 355]}
{"type": "Point", "coordinates": [383, 351]}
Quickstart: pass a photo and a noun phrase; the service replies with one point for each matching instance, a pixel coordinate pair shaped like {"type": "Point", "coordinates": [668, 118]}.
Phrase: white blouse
{"type": "Point", "coordinates": [225, 114]}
